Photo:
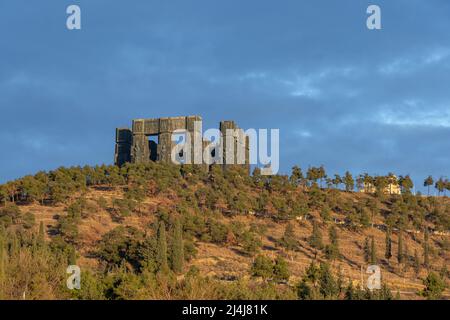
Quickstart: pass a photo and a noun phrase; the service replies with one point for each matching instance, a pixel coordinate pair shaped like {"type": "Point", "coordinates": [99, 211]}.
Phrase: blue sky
{"type": "Point", "coordinates": [341, 95]}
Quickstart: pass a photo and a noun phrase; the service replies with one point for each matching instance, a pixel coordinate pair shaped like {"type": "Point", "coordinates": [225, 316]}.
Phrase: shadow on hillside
{"type": "Point", "coordinates": [349, 261]}
{"type": "Point", "coordinates": [269, 248]}
{"type": "Point", "coordinates": [307, 251]}
{"type": "Point", "coordinates": [239, 252]}
{"type": "Point", "coordinates": [102, 188]}
{"type": "Point", "coordinates": [51, 229]}
{"type": "Point", "coordinates": [272, 239]}
{"type": "Point", "coordinates": [115, 216]}
{"type": "Point", "coordinates": [91, 254]}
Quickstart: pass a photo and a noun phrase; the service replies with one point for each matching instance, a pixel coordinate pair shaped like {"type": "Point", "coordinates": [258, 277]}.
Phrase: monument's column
{"type": "Point", "coordinates": [227, 129]}
{"type": "Point", "coordinates": [236, 145]}
{"type": "Point", "coordinates": [140, 152]}
{"type": "Point", "coordinates": [195, 129]}
{"type": "Point", "coordinates": [164, 140]}
{"type": "Point", "coordinates": [247, 154]}
{"type": "Point", "coordinates": [124, 139]}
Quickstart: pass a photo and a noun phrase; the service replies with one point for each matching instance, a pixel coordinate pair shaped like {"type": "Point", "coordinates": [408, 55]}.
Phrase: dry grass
{"type": "Point", "coordinates": [229, 262]}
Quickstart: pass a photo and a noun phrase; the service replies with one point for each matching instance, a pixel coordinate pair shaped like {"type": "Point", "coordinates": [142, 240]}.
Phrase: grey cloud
{"type": "Point", "coordinates": [341, 95]}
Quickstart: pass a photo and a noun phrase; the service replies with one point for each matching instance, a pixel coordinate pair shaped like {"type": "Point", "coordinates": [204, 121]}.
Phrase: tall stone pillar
{"type": "Point", "coordinates": [140, 152]}
{"type": "Point", "coordinates": [124, 140]}
{"type": "Point", "coordinates": [247, 153]}
{"type": "Point", "coordinates": [165, 147]}
{"type": "Point", "coordinates": [164, 140]}
{"type": "Point", "coordinates": [195, 130]}
{"type": "Point", "coordinates": [236, 146]}
{"type": "Point", "coordinates": [227, 129]}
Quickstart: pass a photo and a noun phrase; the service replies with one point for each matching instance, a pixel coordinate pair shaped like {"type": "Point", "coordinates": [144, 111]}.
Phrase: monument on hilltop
{"type": "Point", "coordinates": [151, 140]}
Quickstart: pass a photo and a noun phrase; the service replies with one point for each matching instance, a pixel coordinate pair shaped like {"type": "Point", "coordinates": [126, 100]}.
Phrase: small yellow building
{"type": "Point", "coordinates": [392, 188]}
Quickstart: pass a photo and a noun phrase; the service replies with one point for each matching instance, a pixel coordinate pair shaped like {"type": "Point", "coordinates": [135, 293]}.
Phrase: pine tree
{"type": "Point", "coordinates": [337, 181]}
{"type": "Point", "coordinates": [328, 285]}
{"type": "Point", "coordinates": [440, 185]}
{"type": "Point", "coordinates": [280, 270]}
{"type": "Point", "coordinates": [406, 184]}
{"type": "Point", "coordinates": [434, 286]}
{"type": "Point", "coordinates": [288, 240]}
{"type": "Point", "coordinates": [262, 267]}
{"type": "Point", "coordinates": [178, 249]}
{"type": "Point", "coordinates": [428, 182]}
{"type": "Point", "coordinates": [388, 250]}
{"type": "Point", "coordinates": [400, 248]}
{"type": "Point", "coordinates": [312, 274]}
{"type": "Point", "coordinates": [296, 176]}
{"type": "Point", "coordinates": [350, 292]}
{"type": "Point", "coordinates": [349, 182]}
{"type": "Point", "coordinates": [373, 252]}
{"type": "Point", "coordinates": [325, 213]}
{"type": "Point", "coordinates": [161, 255]}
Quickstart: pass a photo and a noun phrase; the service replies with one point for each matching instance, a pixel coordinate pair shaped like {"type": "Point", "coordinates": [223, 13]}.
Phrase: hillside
{"type": "Point", "coordinates": [108, 221]}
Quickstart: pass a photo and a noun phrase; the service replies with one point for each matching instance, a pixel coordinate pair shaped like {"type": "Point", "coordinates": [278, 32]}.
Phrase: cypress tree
{"type": "Point", "coordinates": [334, 237]}
{"type": "Point", "coordinates": [444, 271]}
{"type": "Point", "coordinates": [426, 258]}
{"type": "Point", "coordinates": [178, 249]}
{"type": "Point", "coordinates": [72, 258]}
{"type": "Point", "coordinates": [332, 250]}
{"type": "Point", "coordinates": [400, 248]}
{"type": "Point", "coordinates": [373, 252]}
{"type": "Point", "coordinates": [34, 245]}
{"type": "Point", "coordinates": [14, 246]}
{"type": "Point", "coordinates": [41, 234]}
{"type": "Point", "coordinates": [406, 256]}
{"type": "Point", "coordinates": [316, 237]}
{"type": "Point", "coordinates": [388, 251]}
{"type": "Point", "coordinates": [161, 256]}
{"type": "Point", "coordinates": [416, 263]}
{"type": "Point", "coordinates": [367, 253]}
{"type": "Point", "coordinates": [2, 263]}
{"type": "Point", "coordinates": [340, 280]}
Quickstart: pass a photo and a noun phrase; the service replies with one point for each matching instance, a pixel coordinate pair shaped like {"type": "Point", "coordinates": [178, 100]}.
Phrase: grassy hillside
{"type": "Point", "coordinates": [167, 232]}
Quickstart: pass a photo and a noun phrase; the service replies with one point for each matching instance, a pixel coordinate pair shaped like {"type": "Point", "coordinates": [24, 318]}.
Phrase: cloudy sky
{"type": "Point", "coordinates": [341, 95]}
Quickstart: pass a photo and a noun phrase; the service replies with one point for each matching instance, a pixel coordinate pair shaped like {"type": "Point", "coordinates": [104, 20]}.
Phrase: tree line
{"type": "Point", "coordinates": [148, 263]}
